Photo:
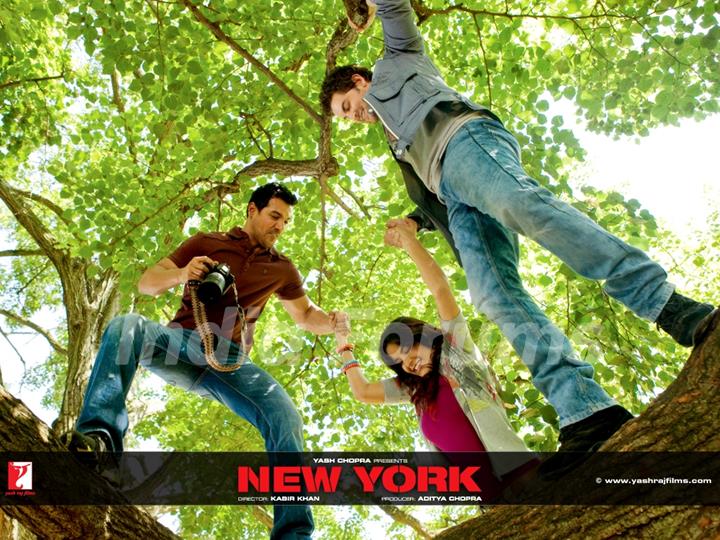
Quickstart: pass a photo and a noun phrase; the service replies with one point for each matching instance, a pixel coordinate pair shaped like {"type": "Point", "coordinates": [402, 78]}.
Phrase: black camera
{"type": "Point", "coordinates": [216, 283]}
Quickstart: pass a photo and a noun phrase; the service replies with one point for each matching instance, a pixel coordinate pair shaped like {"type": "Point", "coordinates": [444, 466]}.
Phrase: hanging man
{"type": "Point", "coordinates": [462, 168]}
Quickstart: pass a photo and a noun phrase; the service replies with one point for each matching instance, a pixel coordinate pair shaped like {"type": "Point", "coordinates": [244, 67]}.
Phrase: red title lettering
{"type": "Point", "coordinates": [288, 479]}
{"type": "Point", "coordinates": [402, 478]}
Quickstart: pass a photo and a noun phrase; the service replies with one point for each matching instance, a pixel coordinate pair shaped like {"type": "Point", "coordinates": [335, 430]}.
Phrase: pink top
{"type": "Point", "coordinates": [446, 426]}
{"type": "Point", "coordinates": [449, 430]}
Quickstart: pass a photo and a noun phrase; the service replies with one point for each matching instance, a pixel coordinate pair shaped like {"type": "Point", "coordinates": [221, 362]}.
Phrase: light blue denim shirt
{"type": "Point", "coordinates": [406, 84]}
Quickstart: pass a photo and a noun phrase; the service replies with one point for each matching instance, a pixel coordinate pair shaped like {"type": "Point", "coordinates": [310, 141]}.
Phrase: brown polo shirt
{"type": "Point", "coordinates": [258, 272]}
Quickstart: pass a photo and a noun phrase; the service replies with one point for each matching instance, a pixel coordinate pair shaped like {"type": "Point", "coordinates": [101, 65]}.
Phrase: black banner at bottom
{"type": "Point", "coordinates": [404, 478]}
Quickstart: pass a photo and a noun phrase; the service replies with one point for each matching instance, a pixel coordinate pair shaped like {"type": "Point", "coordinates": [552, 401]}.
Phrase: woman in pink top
{"type": "Point", "coordinates": [442, 373]}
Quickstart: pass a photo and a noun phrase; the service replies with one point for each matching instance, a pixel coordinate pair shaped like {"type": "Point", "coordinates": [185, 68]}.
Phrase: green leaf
{"type": "Point", "coordinates": [194, 67]}
{"type": "Point", "coordinates": [549, 414]}
{"type": "Point", "coordinates": [545, 280]}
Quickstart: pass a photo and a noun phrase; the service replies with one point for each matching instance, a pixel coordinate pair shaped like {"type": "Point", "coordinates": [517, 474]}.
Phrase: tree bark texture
{"type": "Point", "coordinates": [684, 418]}
{"type": "Point", "coordinates": [90, 304]}
{"type": "Point", "coordinates": [20, 431]}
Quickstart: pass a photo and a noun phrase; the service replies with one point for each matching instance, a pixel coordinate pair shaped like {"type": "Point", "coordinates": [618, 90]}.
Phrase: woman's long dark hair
{"type": "Point", "coordinates": [405, 332]}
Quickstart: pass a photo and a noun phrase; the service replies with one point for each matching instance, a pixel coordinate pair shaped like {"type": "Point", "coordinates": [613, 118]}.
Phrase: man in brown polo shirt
{"type": "Point", "coordinates": [175, 352]}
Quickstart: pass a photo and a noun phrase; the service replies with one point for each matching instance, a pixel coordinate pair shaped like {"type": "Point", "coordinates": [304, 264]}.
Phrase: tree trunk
{"type": "Point", "coordinates": [684, 418]}
{"type": "Point", "coordinates": [11, 529]}
{"type": "Point", "coordinates": [90, 304]}
{"type": "Point", "coordinates": [21, 431]}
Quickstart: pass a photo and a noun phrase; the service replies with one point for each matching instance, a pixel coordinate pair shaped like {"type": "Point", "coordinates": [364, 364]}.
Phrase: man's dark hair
{"type": "Point", "coordinates": [262, 195]}
{"type": "Point", "coordinates": [340, 80]}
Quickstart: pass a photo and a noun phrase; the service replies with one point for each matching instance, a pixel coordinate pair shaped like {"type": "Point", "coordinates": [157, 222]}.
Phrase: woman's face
{"type": "Point", "coordinates": [416, 361]}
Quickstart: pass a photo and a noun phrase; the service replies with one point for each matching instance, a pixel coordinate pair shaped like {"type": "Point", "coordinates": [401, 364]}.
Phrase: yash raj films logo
{"type": "Point", "coordinates": [20, 476]}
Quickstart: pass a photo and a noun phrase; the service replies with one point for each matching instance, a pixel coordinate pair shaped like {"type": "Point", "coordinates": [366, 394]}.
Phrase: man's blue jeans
{"type": "Point", "coordinates": [490, 199]}
{"type": "Point", "coordinates": [175, 355]}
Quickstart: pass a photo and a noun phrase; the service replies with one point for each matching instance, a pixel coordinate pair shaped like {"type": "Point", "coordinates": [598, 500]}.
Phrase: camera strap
{"type": "Point", "coordinates": [206, 335]}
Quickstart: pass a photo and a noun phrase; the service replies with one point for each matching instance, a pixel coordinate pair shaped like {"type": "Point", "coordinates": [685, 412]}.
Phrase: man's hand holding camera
{"type": "Point", "coordinates": [196, 268]}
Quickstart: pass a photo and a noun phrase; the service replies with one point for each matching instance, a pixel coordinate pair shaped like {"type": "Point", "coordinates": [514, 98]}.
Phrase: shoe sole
{"type": "Point", "coordinates": [708, 323]}
{"type": "Point", "coordinates": [563, 462]}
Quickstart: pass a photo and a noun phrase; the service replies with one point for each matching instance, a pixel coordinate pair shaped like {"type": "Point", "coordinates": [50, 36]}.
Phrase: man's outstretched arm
{"type": "Point", "coordinates": [310, 317]}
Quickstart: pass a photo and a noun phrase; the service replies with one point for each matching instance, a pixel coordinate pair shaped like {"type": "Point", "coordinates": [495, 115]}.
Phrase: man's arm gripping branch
{"type": "Point", "coordinates": [372, 9]}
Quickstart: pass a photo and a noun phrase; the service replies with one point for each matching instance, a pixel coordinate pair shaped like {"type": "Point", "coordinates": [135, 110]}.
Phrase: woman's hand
{"type": "Point", "coordinates": [400, 233]}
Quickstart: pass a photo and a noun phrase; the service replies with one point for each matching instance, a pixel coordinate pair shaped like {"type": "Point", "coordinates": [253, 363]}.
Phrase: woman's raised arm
{"type": "Point", "coordinates": [401, 233]}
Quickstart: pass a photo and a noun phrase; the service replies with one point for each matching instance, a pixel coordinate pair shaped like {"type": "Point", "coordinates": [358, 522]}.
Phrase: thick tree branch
{"type": "Point", "coordinates": [47, 203]}
{"type": "Point", "coordinates": [25, 322]}
{"type": "Point", "coordinates": [681, 419]}
{"type": "Point", "coordinates": [235, 46]}
{"type": "Point", "coordinates": [265, 167]}
{"type": "Point", "coordinates": [342, 38]}
{"type": "Point", "coordinates": [32, 224]}
{"type": "Point", "coordinates": [22, 431]}
{"type": "Point", "coordinates": [316, 168]}
{"type": "Point", "coordinates": [357, 10]}
{"type": "Point", "coordinates": [278, 167]}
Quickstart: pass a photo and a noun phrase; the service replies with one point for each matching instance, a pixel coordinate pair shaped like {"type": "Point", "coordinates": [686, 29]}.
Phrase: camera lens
{"type": "Point", "coordinates": [211, 288]}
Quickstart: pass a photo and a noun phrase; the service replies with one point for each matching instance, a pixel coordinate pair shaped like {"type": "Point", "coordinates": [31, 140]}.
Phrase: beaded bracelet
{"type": "Point", "coordinates": [348, 347]}
{"type": "Point", "coordinates": [349, 365]}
